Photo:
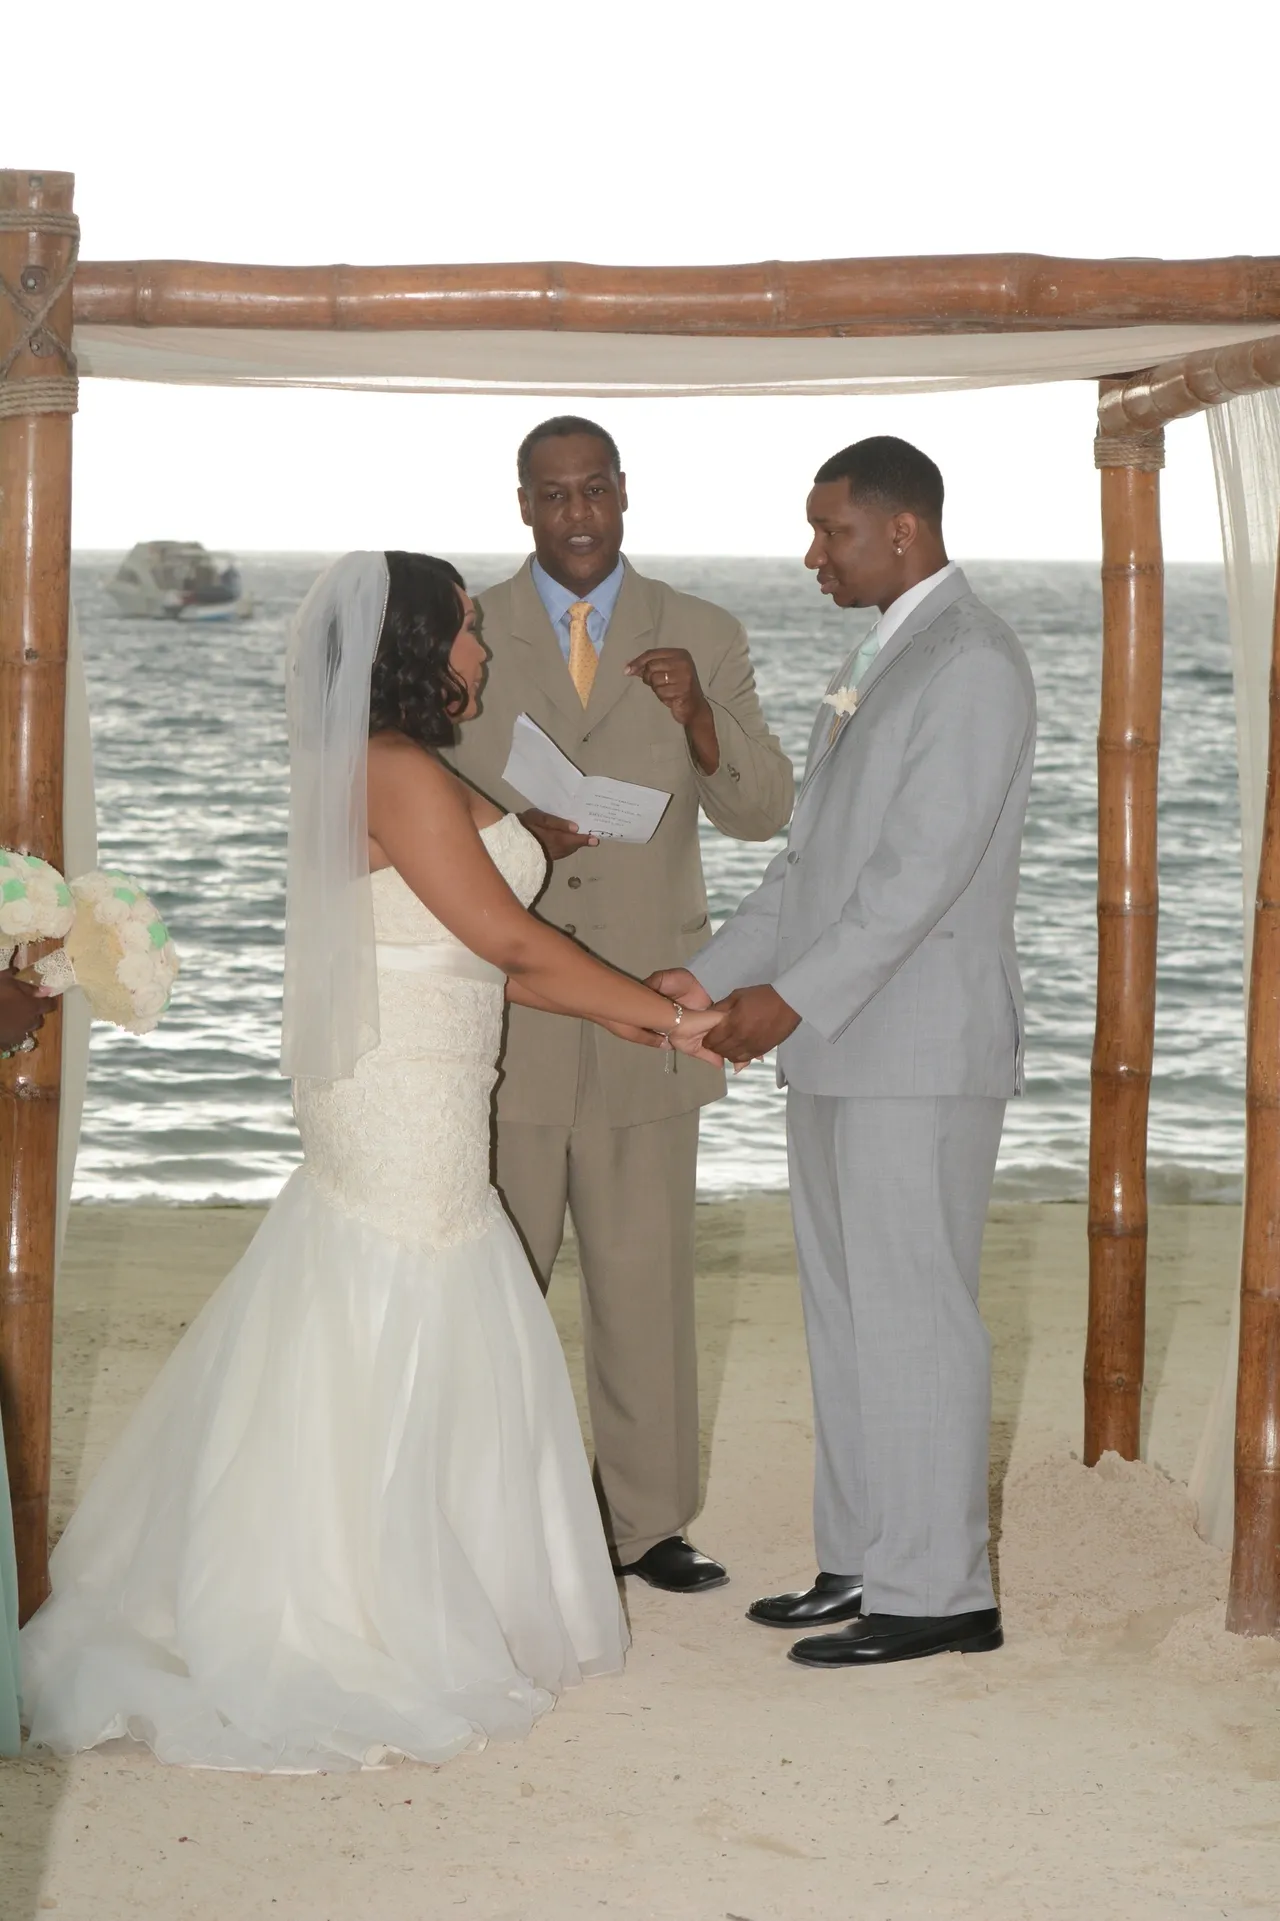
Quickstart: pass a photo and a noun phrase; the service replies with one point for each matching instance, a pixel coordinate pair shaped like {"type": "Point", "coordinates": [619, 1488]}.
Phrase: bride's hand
{"type": "Point", "coordinates": [642, 1036]}
{"type": "Point", "coordinates": [687, 1035]}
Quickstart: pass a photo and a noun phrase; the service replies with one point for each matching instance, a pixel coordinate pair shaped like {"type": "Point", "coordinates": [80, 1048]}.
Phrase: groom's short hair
{"type": "Point", "coordinates": [559, 427]}
{"type": "Point", "coordinates": [891, 473]}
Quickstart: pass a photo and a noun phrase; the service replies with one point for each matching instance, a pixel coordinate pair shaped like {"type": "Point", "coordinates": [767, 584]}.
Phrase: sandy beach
{"type": "Point", "coordinates": [1120, 1757]}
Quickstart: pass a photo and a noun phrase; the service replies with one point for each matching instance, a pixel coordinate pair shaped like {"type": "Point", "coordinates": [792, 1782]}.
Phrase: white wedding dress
{"type": "Point", "coordinates": [353, 1518]}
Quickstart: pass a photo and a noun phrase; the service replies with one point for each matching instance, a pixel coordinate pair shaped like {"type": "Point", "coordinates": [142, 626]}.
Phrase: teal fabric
{"type": "Point", "coordinates": [10, 1735]}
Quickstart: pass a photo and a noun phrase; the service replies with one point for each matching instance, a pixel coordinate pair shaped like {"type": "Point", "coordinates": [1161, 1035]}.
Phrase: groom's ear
{"type": "Point", "coordinates": [526, 512]}
{"type": "Point", "coordinates": [904, 530]}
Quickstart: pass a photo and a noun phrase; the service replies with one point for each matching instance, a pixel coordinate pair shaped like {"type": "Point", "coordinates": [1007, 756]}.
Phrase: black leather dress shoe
{"type": "Point", "coordinates": [832, 1598]}
{"type": "Point", "coordinates": [676, 1566]}
{"type": "Point", "coordinates": [877, 1638]}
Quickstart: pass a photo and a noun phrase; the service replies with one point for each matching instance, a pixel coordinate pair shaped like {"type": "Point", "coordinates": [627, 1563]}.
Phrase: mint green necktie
{"type": "Point", "coordinates": [864, 657]}
{"type": "Point", "coordinates": [858, 663]}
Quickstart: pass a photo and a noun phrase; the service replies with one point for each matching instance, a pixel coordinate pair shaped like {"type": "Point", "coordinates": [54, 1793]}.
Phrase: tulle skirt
{"type": "Point", "coordinates": [352, 1519]}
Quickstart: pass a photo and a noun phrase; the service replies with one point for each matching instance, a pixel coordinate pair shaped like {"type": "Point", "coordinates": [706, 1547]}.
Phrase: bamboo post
{"type": "Point", "coordinates": [38, 243]}
{"type": "Point", "coordinates": [1124, 1035]}
{"type": "Point", "coordinates": [1253, 1604]}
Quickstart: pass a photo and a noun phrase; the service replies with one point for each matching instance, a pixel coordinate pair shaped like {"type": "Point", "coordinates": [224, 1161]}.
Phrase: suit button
{"type": "Point", "coordinates": [734, 774]}
{"type": "Point", "coordinates": [570, 928]}
{"type": "Point", "coordinates": [575, 880]}
{"type": "Point", "coordinates": [793, 860]}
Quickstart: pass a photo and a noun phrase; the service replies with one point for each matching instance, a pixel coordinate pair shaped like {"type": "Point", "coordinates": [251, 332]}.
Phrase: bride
{"type": "Point", "coordinates": [353, 1518]}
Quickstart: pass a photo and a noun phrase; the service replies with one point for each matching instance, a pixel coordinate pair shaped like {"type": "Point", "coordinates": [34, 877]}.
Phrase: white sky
{"type": "Point", "coordinates": [636, 131]}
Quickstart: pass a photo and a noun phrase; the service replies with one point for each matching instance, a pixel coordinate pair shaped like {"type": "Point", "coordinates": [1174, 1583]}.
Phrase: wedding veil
{"type": "Point", "coordinates": [330, 969]}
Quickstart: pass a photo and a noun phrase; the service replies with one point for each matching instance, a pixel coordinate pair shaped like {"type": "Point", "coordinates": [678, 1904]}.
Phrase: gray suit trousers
{"type": "Point", "coordinates": [889, 1198]}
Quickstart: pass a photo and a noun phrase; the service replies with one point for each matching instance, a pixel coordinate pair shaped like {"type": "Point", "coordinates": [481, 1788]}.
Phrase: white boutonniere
{"type": "Point", "coordinates": [843, 704]}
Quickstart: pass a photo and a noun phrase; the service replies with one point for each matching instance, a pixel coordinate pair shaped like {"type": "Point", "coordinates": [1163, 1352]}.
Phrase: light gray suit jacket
{"type": "Point", "coordinates": [887, 922]}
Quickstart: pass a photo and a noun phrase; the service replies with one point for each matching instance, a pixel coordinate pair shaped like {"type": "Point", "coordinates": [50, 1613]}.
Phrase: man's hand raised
{"type": "Point", "coordinates": [754, 1020]}
{"type": "Point", "coordinates": [558, 837]}
{"type": "Point", "coordinates": [673, 677]}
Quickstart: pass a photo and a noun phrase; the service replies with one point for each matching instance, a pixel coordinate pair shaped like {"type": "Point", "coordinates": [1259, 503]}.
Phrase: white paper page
{"type": "Point", "coordinates": [537, 769]}
{"type": "Point", "coordinates": [619, 809]}
{"type": "Point", "coordinates": [613, 809]}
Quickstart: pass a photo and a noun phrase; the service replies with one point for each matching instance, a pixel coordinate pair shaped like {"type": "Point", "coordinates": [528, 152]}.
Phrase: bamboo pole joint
{"type": "Point", "coordinates": [38, 337]}
{"type": "Point", "coordinates": [1178, 388]}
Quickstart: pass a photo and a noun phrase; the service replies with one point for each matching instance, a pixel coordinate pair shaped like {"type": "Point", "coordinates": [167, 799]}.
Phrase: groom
{"type": "Point", "coordinates": [877, 955]}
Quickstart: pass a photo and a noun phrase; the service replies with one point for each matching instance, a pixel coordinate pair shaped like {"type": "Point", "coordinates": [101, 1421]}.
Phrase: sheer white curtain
{"type": "Point", "coordinates": [79, 856]}
{"type": "Point", "coordinates": [1245, 435]}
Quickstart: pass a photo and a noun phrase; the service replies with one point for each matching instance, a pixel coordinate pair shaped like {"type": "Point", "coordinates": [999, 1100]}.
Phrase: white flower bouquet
{"type": "Point", "coordinates": [35, 903]}
{"type": "Point", "coordinates": [117, 951]}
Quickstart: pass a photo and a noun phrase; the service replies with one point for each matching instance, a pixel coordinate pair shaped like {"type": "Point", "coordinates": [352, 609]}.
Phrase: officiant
{"type": "Point", "coordinates": [634, 680]}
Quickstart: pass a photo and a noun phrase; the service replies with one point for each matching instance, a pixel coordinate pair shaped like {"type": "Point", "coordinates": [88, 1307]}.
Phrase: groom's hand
{"type": "Point", "coordinates": [558, 837]}
{"type": "Point", "coordinates": [755, 1020]}
{"type": "Point", "coordinates": [678, 984]}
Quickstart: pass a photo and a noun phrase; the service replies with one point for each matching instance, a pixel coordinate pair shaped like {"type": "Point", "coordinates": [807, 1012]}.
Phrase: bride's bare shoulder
{"type": "Point", "coordinates": [406, 775]}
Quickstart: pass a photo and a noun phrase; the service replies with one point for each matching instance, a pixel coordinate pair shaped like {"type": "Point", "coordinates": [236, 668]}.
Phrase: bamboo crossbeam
{"type": "Point", "coordinates": [1178, 388]}
{"type": "Point", "coordinates": [1128, 899]}
{"type": "Point", "coordinates": [35, 557]}
{"type": "Point", "coordinates": [1253, 1605]}
{"type": "Point", "coordinates": [958, 293]}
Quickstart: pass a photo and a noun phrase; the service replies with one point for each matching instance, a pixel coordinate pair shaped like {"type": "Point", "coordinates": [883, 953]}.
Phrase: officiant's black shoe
{"type": "Point", "coordinates": [678, 1567]}
{"type": "Point", "coordinates": [878, 1638]}
{"type": "Point", "coordinates": [832, 1598]}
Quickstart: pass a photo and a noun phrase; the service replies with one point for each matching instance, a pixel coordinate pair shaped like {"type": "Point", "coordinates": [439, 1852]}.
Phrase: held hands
{"type": "Point", "coordinates": [748, 1023]}
{"type": "Point", "coordinates": [751, 1021]}
{"type": "Point", "coordinates": [678, 984]}
{"type": "Point", "coordinates": [682, 1034]}
{"type": "Point", "coordinates": [688, 1036]}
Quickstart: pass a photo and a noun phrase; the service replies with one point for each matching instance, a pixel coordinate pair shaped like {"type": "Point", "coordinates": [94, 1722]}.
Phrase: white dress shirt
{"type": "Point", "coordinates": [897, 610]}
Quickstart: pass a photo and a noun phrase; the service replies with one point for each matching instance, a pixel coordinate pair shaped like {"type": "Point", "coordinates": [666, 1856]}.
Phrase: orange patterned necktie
{"type": "Point", "coordinates": [583, 659]}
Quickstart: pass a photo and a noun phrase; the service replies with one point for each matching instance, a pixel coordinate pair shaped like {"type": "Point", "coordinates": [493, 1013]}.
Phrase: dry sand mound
{"type": "Point", "coordinates": [1088, 1550]}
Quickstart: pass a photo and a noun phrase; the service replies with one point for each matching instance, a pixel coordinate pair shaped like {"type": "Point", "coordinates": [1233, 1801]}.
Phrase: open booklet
{"type": "Point", "coordinates": [613, 809]}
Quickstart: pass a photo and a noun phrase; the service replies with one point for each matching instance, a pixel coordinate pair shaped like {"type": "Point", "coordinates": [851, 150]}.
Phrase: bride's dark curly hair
{"type": "Point", "coordinates": [413, 689]}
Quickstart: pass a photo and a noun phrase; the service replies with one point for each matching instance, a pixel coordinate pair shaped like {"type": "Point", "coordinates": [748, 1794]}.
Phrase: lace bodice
{"type": "Point", "coordinates": [399, 917]}
{"type": "Point", "coordinates": [404, 1144]}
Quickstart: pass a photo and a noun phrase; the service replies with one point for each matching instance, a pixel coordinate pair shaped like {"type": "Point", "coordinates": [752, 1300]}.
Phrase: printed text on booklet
{"type": "Point", "coordinates": [613, 809]}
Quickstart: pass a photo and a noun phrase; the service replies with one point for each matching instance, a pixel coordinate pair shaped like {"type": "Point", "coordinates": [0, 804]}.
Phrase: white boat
{"type": "Point", "coordinates": [179, 580]}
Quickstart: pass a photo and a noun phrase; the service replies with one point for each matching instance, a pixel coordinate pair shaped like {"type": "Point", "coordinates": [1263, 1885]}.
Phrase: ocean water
{"type": "Point", "coordinates": [192, 795]}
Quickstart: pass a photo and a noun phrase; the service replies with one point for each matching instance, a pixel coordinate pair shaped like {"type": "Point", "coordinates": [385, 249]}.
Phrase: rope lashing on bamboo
{"type": "Point", "coordinates": [1139, 449]}
{"type": "Point", "coordinates": [40, 393]}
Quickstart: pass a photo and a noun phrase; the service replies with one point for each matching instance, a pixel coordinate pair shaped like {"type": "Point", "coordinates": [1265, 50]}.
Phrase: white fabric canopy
{"type": "Point", "coordinates": [619, 365]}
{"type": "Point", "coordinates": [1245, 435]}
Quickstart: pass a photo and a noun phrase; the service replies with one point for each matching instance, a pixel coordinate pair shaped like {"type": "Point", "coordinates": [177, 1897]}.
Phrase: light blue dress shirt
{"type": "Point", "coordinates": [558, 600]}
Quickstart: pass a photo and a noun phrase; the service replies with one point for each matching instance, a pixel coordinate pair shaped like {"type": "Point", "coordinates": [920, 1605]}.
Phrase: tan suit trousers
{"type": "Point", "coordinates": [631, 1192]}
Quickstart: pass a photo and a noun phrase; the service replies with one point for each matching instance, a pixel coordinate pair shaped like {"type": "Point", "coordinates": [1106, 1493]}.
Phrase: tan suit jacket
{"type": "Point", "coordinates": [639, 907]}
